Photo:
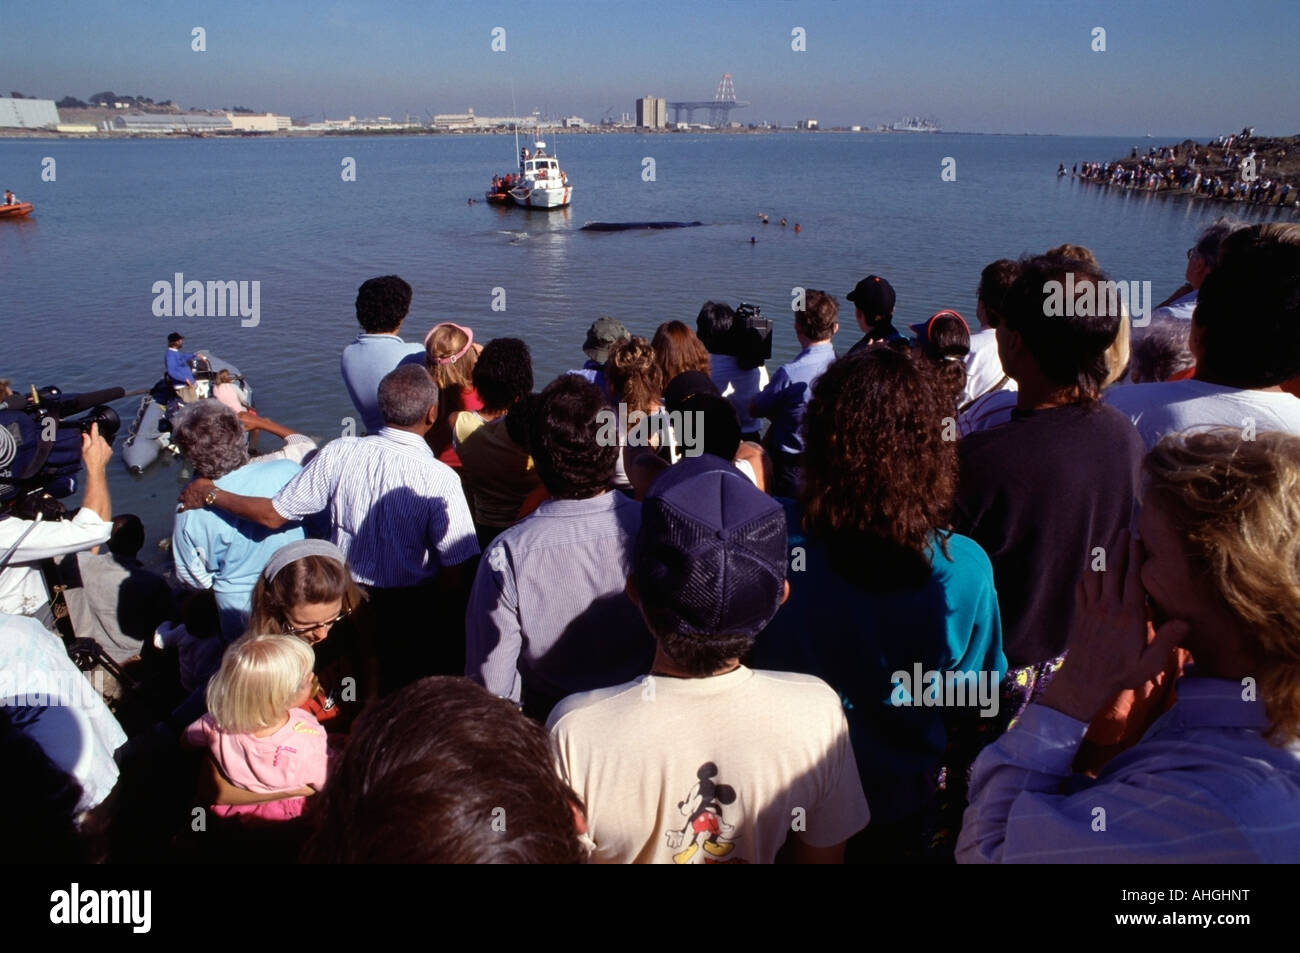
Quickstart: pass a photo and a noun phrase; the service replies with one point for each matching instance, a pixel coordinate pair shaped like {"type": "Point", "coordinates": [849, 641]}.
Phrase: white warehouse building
{"type": "Point", "coordinates": [28, 113]}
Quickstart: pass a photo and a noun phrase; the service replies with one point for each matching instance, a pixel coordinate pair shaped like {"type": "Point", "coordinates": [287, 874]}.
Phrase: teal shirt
{"type": "Point", "coordinates": [857, 640]}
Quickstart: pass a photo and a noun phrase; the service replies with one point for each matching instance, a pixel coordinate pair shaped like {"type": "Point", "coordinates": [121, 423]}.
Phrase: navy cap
{"type": "Point", "coordinates": [711, 554]}
{"type": "Point", "coordinates": [873, 296]}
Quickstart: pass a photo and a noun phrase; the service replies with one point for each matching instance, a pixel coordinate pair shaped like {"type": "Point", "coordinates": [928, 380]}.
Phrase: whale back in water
{"type": "Point", "coordinates": [629, 226]}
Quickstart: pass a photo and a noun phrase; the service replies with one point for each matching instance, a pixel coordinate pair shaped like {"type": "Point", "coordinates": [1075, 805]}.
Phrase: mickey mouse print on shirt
{"type": "Point", "coordinates": [705, 827]}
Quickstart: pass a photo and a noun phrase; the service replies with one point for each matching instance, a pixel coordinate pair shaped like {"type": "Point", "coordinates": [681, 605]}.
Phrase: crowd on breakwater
{"type": "Point", "coordinates": [1235, 168]}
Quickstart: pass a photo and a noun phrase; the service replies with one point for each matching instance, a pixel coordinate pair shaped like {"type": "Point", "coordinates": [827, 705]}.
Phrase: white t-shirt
{"type": "Point", "coordinates": [984, 367]}
{"type": "Point", "coordinates": [1179, 309]}
{"type": "Point", "coordinates": [56, 704]}
{"type": "Point", "coordinates": [22, 587]}
{"type": "Point", "coordinates": [991, 410]}
{"type": "Point", "coordinates": [1173, 406]}
{"type": "Point", "coordinates": [710, 770]}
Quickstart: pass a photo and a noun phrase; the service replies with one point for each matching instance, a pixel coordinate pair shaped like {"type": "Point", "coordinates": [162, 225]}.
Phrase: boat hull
{"type": "Point", "coordinates": [542, 198]}
{"type": "Point", "coordinates": [20, 210]}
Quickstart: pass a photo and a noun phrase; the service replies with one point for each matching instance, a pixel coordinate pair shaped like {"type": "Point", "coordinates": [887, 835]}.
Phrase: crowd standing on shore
{"type": "Point", "coordinates": [1228, 169]}
{"type": "Point", "coordinates": [961, 593]}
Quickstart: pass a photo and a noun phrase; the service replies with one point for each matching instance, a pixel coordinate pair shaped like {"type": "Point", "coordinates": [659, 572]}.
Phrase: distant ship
{"type": "Point", "coordinates": [915, 124]}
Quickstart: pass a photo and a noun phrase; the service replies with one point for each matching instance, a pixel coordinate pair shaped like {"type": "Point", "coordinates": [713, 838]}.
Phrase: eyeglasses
{"type": "Point", "coordinates": [1190, 253]}
{"type": "Point", "coordinates": [303, 630]}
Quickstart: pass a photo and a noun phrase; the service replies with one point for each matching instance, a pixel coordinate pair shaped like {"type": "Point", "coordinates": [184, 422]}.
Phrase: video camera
{"type": "Point", "coordinates": [40, 441]}
{"type": "Point", "coordinates": [749, 339]}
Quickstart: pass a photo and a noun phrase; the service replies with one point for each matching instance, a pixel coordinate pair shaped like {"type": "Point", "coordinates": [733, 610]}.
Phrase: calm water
{"type": "Point", "coordinates": [76, 304]}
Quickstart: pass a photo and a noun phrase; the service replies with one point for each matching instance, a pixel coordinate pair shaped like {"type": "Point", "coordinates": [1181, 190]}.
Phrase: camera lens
{"type": "Point", "coordinates": [109, 422]}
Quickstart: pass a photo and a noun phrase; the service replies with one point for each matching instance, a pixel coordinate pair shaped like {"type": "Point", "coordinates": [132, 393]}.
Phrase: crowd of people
{"type": "Point", "coordinates": [924, 599]}
{"type": "Point", "coordinates": [1229, 169]}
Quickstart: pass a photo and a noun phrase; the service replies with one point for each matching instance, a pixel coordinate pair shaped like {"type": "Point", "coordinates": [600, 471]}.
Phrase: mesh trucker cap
{"type": "Point", "coordinates": [711, 551]}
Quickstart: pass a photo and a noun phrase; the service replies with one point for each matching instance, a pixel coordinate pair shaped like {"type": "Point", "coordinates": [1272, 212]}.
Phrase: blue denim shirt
{"type": "Point", "coordinates": [785, 398]}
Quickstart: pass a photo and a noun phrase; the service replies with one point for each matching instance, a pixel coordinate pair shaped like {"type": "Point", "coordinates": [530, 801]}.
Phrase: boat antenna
{"type": "Point", "coordinates": [514, 115]}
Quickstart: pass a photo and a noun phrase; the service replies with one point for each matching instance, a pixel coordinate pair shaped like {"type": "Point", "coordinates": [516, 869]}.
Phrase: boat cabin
{"type": "Point", "coordinates": [542, 168]}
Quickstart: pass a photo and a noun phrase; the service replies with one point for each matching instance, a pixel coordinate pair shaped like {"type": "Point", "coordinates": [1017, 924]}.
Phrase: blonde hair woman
{"type": "Point", "coordinates": [450, 356]}
{"type": "Point", "coordinates": [1217, 777]}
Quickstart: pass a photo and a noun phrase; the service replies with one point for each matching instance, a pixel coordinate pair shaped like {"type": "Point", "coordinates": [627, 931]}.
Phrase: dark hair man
{"type": "Point", "coordinates": [176, 369]}
{"type": "Point", "coordinates": [382, 305]}
{"type": "Point", "coordinates": [783, 400]}
{"type": "Point", "coordinates": [705, 760]}
{"type": "Point", "coordinates": [547, 616]}
{"type": "Point", "coordinates": [1048, 493]}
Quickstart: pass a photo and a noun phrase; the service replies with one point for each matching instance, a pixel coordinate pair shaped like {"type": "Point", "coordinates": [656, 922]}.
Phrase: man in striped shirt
{"type": "Point", "coordinates": [400, 517]}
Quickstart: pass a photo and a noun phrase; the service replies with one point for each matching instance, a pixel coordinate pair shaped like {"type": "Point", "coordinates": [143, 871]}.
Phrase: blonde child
{"type": "Point", "coordinates": [256, 729]}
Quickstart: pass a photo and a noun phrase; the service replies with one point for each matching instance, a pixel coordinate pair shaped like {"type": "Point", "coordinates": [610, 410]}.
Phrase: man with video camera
{"type": "Point", "coordinates": [24, 543]}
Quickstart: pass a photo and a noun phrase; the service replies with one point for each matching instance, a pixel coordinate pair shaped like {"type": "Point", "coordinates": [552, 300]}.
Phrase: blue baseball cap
{"type": "Point", "coordinates": [710, 557]}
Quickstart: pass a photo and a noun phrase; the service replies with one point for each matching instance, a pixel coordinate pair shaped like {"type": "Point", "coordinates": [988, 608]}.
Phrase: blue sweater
{"type": "Point", "coordinates": [177, 365]}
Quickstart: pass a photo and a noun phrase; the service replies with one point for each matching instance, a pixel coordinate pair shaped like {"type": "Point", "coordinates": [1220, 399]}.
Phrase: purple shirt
{"type": "Point", "coordinates": [1203, 785]}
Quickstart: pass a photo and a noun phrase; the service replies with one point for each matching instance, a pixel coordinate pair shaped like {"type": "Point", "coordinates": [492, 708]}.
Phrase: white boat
{"type": "Point", "coordinates": [542, 183]}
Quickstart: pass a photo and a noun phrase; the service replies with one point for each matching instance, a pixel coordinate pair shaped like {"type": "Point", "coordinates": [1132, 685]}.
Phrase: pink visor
{"type": "Point", "coordinates": [469, 342]}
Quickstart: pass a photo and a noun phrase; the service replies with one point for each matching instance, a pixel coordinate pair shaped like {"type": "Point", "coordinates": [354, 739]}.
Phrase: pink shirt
{"type": "Point", "coordinates": [228, 394]}
{"type": "Point", "coordinates": [290, 758]}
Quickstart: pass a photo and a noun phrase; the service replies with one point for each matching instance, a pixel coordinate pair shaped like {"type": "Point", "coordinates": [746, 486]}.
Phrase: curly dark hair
{"type": "Point", "coordinates": [879, 477]}
{"type": "Point", "coordinates": [428, 771]}
{"type": "Point", "coordinates": [562, 437]}
{"type": "Point", "coordinates": [504, 373]}
{"type": "Point", "coordinates": [382, 304]}
{"type": "Point", "coordinates": [517, 420]}
{"type": "Point", "coordinates": [634, 373]}
{"type": "Point", "coordinates": [819, 314]}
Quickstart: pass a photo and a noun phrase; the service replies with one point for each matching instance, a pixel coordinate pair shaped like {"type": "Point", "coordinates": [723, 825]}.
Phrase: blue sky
{"type": "Point", "coordinates": [1169, 67]}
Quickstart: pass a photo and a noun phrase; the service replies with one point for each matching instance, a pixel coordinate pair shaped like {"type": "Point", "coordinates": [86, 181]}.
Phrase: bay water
{"type": "Point", "coordinates": [76, 279]}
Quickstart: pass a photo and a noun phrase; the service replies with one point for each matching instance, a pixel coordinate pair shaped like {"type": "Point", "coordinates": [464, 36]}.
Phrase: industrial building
{"type": "Point", "coordinates": [164, 123]}
{"type": "Point", "coordinates": [468, 121]}
{"type": "Point", "coordinates": [28, 114]}
{"type": "Point", "coordinates": [652, 112]}
{"type": "Point", "coordinates": [244, 122]}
